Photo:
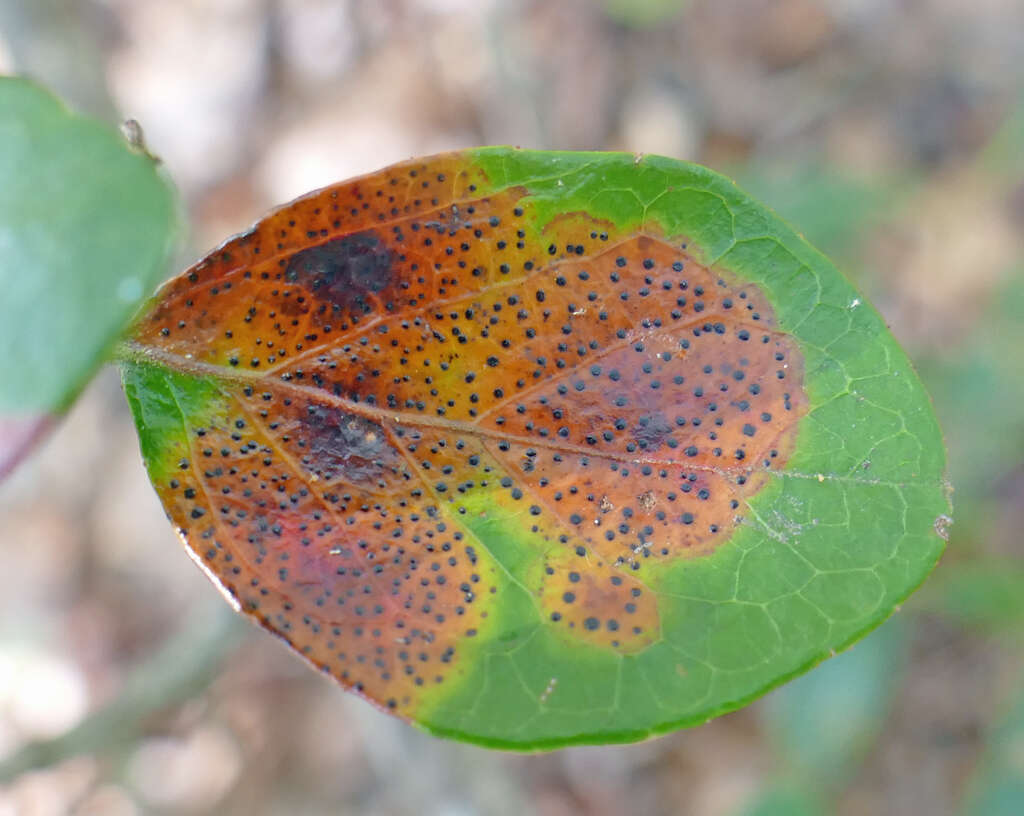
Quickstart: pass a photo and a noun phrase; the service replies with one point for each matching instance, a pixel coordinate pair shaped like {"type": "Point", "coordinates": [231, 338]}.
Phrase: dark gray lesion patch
{"type": "Point", "coordinates": [344, 271]}
{"type": "Point", "coordinates": [340, 446]}
{"type": "Point", "coordinates": [652, 431]}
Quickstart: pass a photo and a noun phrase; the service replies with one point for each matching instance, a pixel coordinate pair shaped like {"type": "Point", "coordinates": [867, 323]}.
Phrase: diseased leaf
{"type": "Point", "coordinates": [539, 448]}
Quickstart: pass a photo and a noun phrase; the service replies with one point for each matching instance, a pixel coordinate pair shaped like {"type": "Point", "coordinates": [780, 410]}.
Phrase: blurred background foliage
{"type": "Point", "coordinates": [890, 132]}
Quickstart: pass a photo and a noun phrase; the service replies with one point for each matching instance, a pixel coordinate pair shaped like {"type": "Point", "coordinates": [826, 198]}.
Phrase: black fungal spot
{"type": "Point", "coordinates": [344, 270]}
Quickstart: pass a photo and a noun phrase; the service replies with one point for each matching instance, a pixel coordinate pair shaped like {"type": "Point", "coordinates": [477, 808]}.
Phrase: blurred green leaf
{"type": "Point", "coordinates": [86, 229]}
{"type": "Point", "coordinates": [782, 801]}
{"type": "Point", "coordinates": [824, 722]}
{"type": "Point", "coordinates": [987, 594]}
{"type": "Point", "coordinates": [998, 788]}
{"type": "Point", "coordinates": [978, 388]}
{"type": "Point", "coordinates": [831, 208]}
{"type": "Point", "coordinates": [1003, 153]}
{"type": "Point", "coordinates": [643, 13]}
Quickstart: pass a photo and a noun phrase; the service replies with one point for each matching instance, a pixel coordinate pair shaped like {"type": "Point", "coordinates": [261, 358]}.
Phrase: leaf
{"type": "Point", "coordinates": [539, 448]}
{"type": "Point", "coordinates": [86, 227]}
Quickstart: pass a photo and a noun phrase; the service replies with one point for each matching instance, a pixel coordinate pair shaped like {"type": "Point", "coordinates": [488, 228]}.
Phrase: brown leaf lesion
{"type": "Point", "coordinates": [597, 603]}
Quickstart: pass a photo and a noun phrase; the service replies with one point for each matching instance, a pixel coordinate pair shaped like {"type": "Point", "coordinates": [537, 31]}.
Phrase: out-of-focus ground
{"type": "Point", "coordinates": [891, 133]}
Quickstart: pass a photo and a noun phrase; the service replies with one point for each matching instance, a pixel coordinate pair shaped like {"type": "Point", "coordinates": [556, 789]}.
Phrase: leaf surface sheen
{"type": "Point", "coordinates": [538, 448]}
